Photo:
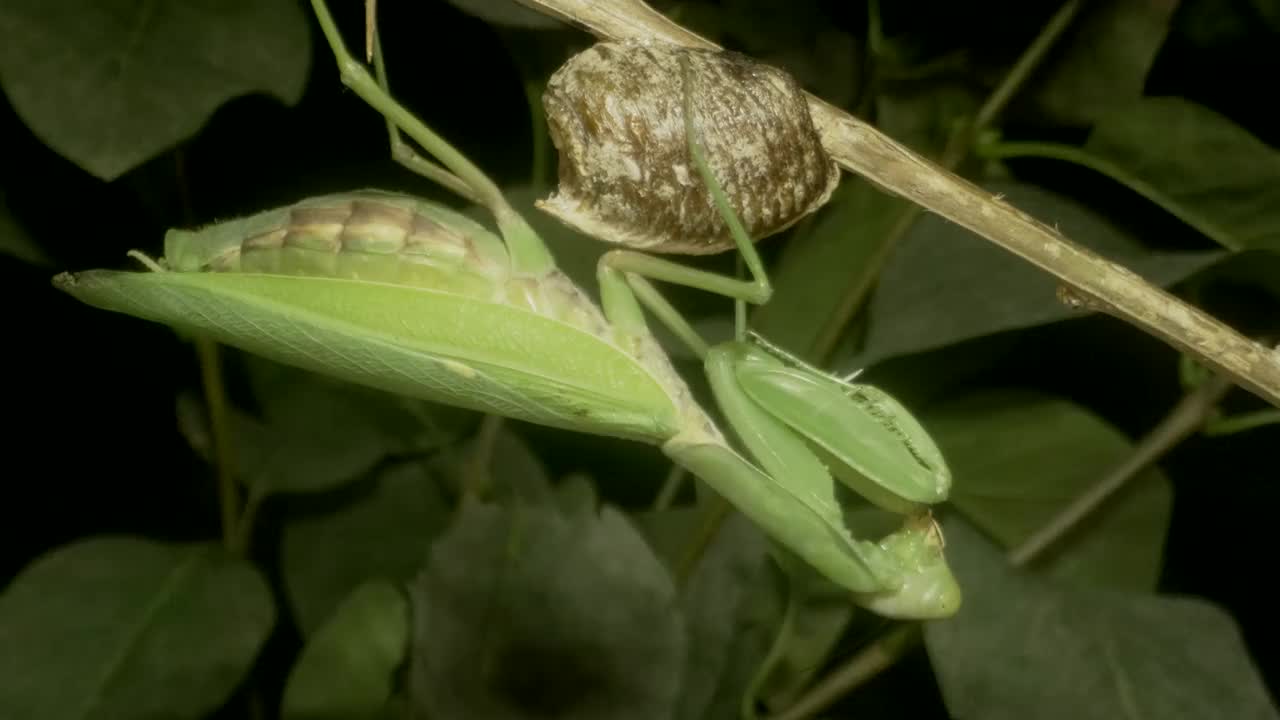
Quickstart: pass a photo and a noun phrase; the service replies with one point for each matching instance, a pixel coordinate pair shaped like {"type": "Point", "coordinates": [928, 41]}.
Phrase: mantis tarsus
{"type": "Point", "coordinates": [408, 296]}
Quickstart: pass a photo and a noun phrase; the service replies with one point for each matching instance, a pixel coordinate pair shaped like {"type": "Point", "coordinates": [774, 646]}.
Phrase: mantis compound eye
{"type": "Point", "coordinates": [616, 114]}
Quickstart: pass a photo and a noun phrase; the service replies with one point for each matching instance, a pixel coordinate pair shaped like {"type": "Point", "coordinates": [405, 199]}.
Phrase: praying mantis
{"type": "Point", "coordinates": [409, 296]}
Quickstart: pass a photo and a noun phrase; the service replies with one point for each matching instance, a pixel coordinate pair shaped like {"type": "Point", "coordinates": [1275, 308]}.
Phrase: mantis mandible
{"type": "Point", "coordinates": [409, 296]}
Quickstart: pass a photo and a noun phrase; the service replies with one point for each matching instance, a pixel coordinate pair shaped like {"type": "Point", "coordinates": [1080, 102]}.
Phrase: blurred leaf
{"type": "Point", "coordinates": [1104, 60]}
{"type": "Point", "coordinates": [1024, 647]}
{"type": "Point", "coordinates": [732, 604]}
{"type": "Point", "coordinates": [379, 528]}
{"type": "Point", "coordinates": [122, 627]}
{"type": "Point", "coordinates": [524, 613]}
{"type": "Point", "coordinates": [112, 83]}
{"type": "Point", "coordinates": [507, 12]}
{"type": "Point", "coordinates": [318, 433]}
{"type": "Point", "coordinates": [820, 621]}
{"type": "Point", "coordinates": [511, 471]}
{"type": "Point", "coordinates": [577, 496]}
{"type": "Point", "coordinates": [1019, 458]}
{"type": "Point", "coordinates": [1191, 161]}
{"type": "Point", "coordinates": [347, 669]}
{"type": "Point", "coordinates": [1213, 24]}
{"type": "Point", "coordinates": [15, 241]}
{"type": "Point", "coordinates": [823, 271]}
{"type": "Point", "coordinates": [943, 284]}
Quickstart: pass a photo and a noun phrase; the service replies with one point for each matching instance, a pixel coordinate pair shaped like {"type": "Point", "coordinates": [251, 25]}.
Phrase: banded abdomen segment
{"type": "Point", "coordinates": [370, 236]}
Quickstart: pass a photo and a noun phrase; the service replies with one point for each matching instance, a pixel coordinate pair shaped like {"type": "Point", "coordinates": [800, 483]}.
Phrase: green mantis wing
{"type": "Point", "coordinates": [335, 293]}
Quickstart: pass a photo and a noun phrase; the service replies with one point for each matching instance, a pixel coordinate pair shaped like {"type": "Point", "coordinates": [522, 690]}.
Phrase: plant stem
{"type": "Point", "coordinates": [714, 514]}
{"type": "Point", "coordinates": [1240, 423]}
{"type": "Point", "coordinates": [220, 428]}
{"type": "Point", "coordinates": [1187, 416]}
{"type": "Point", "coordinates": [886, 651]}
{"type": "Point", "coordinates": [776, 649]}
{"type": "Point", "coordinates": [670, 487]}
{"type": "Point", "coordinates": [476, 480]}
{"type": "Point", "coordinates": [1026, 65]}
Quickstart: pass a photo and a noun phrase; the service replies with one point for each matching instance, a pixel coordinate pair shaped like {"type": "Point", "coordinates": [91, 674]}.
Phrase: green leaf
{"type": "Point", "coordinates": [507, 12]}
{"type": "Point", "coordinates": [15, 241]}
{"type": "Point", "coordinates": [524, 613]}
{"type": "Point", "coordinates": [1191, 161]}
{"type": "Point", "coordinates": [944, 285]}
{"type": "Point", "coordinates": [347, 668]}
{"type": "Point", "coordinates": [1103, 61]}
{"type": "Point", "coordinates": [318, 433]}
{"type": "Point", "coordinates": [732, 605]}
{"type": "Point", "coordinates": [1019, 458]}
{"type": "Point", "coordinates": [1023, 646]}
{"type": "Point", "coordinates": [379, 528]}
{"type": "Point", "coordinates": [122, 627]}
{"type": "Point", "coordinates": [110, 84]}
{"type": "Point", "coordinates": [498, 461]}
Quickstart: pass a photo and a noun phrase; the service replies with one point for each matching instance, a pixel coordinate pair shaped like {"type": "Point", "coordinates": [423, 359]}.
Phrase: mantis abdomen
{"type": "Point", "coordinates": [407, 296]}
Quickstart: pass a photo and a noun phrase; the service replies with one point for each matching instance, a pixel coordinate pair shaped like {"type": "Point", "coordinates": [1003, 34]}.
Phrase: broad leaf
{"type": "Point", "coordinates": [1020, 458]}
{"type": "Point", "coordinates": [732, 605]}
{"type": "Point", "coordinates": [944, 284]}
{"type": "Point", "coordinates": [316, 433]}
{"type": "Point", "coordinates": [379, 528]}
{"type": "Point", "coordinates": [15, 241]}
{"type": "Point", "coordinates": [498, 463]}
{"type": "Point", "coordinates": [111, 83]}
{"type": "Point", "coordinates": [1024, 647]}
{"type": "Point", "coordinates": [122, 627]}
{"type": "Point", "coordinates": [1103, 61]}
{"type": "Point", "coordinates": [1191, 161]}
{"type": "Point", "coordinates": [347, 669]}
{"type": "Point", "coordinates": [524, 613]}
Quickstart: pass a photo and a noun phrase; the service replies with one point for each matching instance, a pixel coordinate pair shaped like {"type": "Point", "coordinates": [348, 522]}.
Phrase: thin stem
{"type": "Point", "coordinates": [248, 519]}
{"type": "Point", "coordinates": [1240, 423]}
{"type": "Point", "coordinates": [1026, 65]}
{"type": "Point", "coordinates": [1186, 417]}
{"type": "Point", "coordinates": [670, 488]}
{"type": "Point", "coordinates": [776, 650]}
{"type": "Point", "coordinates": [220, 427]}
{"type": "Point", "coordinates": [1069, 153]}
{"type": "Point", "coordinates": [476, 476]}
{"type": "Point", "coordinates": [862, 667]}
{"type": "Point", "coordinates": [714, 514]}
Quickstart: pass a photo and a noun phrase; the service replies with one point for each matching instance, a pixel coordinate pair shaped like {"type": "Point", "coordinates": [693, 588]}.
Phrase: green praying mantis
{"type": "Point", "coordinates": [409, 296]}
